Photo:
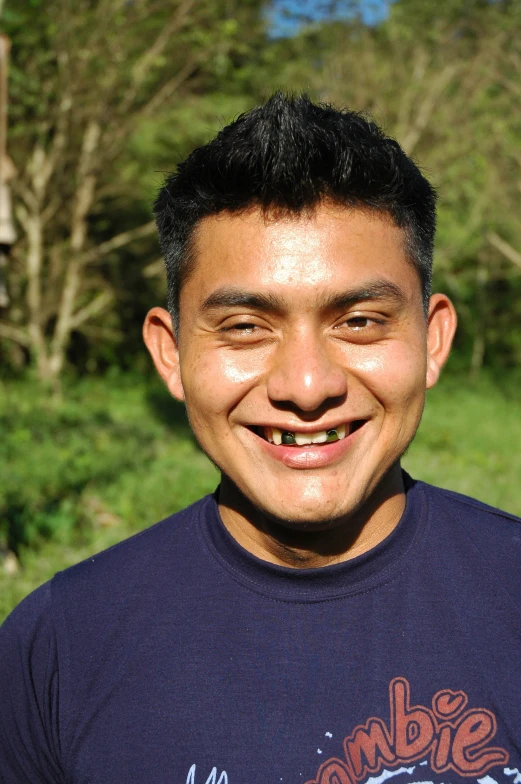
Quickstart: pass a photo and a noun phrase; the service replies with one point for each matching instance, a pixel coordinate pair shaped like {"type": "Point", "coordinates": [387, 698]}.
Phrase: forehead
{"type": "Point", "coordinates": [316, 251]}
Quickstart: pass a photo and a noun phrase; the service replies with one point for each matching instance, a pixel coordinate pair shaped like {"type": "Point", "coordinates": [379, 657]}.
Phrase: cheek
{"type": "Point", "coordinates": [239, 369]}
{"type": "Point", "coordinates": [394, 372]}
{"type": "Point", "coordinates": [217, 381]}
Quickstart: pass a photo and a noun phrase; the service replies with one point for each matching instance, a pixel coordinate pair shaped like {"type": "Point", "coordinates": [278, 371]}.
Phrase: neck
{"type": "Point", "coordinates": [277, 542]}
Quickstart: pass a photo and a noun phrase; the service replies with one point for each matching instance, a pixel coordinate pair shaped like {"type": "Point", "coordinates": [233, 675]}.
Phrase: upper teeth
{"type": "Point", "coordinates": [274, 435]}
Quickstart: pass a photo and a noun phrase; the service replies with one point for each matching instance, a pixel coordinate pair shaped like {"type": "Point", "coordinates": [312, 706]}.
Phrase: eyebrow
{"type": "Point", "coordinates": [230, 296]}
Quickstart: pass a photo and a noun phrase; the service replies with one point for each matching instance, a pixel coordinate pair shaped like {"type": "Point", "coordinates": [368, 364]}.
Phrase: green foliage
{"type": "Point", "coordinates": [64, 455]}
{"type": "Point", "coordinates": [469, 439]}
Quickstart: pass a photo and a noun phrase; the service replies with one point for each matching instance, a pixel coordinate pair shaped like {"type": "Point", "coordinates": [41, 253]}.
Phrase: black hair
{"type": "Point", "coordinates": [290, 154]}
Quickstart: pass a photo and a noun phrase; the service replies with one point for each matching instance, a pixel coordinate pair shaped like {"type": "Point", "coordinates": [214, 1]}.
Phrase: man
{"type": "Point", "coordinates": [322, 618]}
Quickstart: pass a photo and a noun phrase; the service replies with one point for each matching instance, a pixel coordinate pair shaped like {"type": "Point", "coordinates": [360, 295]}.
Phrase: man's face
{"type": "Point", "coordinates": [301, 326]}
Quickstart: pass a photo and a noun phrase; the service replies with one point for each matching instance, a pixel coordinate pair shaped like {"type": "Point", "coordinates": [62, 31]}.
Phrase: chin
{"type": "Point", "coordinates": [318, 516]}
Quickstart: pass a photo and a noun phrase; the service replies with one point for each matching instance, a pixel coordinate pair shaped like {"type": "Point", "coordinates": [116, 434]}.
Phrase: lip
{"type": "Point", "coordinates": [310, 456]}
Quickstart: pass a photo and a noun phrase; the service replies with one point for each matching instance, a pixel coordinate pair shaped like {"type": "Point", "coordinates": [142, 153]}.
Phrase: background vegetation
{"type": "Point", "coordinates": [105, 97]}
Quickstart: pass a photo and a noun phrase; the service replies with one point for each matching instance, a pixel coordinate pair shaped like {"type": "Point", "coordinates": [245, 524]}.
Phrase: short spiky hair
{"type": "Point", "coordinates": [290, 154]}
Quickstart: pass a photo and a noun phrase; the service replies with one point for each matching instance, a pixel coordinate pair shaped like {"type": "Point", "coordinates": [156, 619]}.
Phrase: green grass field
{"type": "Point", "coordinates": [469, 441]}
{"type": "Point", "coordinates": [115, 455]}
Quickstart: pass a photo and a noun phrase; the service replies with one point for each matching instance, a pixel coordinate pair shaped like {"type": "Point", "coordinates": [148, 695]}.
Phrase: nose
{"type": "Point", "coordinates": [304, 375]}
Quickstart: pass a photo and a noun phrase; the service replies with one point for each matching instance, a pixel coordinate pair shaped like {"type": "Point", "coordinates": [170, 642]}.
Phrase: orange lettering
{"type": "Point", "coordinates": [447, 704]}
{"type": "Point", "coordinates": [441, 755]}
{"type": "Point", "coordinates": [457, 738]}
{"type": "Point", "coordinates": [413, 727]}
{"type": "Point", "coordinates": [476, 729]}
{"type": "Point", "coordinates": [367, 747]}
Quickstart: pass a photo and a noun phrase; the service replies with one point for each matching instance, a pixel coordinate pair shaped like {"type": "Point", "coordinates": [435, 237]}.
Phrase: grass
{"type": "Point", "coordinates": [469, 441]}
{"type": "Point", "coordinates": [116, 454]}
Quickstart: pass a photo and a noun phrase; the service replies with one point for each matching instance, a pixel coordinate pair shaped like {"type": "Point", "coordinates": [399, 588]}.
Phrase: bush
{"type": "Point", "coordinates": [62, 455]}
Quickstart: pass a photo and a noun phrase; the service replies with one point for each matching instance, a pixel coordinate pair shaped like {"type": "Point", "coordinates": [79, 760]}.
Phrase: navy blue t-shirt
{"type": "Point", "coordinates": [177, 657]}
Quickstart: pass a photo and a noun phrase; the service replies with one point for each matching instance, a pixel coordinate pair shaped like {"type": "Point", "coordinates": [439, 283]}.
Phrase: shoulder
{"type": "Point", "coordinates": [486, 536]}
{"type": "Point", "coordinates": [484, 517]}
{"type": "Point", "coordinates": [66, 638]}
{"type": "Point", "coordinates": [113, 575]}
{"type": "Point", "coordinates": [29, 686]}
{"type": "Point", "coordinates": [27, 636]}
{"type": "Point", "coordinates": [92, 594]}
{"type": "Point", "coordinates": [30, 621]}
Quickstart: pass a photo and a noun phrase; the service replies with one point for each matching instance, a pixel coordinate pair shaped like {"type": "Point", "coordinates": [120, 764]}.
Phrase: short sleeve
{"type": "Point", "coordinates": [29, 694]}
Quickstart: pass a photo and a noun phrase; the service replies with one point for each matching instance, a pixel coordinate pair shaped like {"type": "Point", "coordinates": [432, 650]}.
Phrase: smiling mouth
{"type": "Point", "coordinates": [293, 438]}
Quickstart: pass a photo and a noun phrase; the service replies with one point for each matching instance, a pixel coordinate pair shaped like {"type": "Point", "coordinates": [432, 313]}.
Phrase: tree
{"type": "Point", "coordinates": [86, 76]}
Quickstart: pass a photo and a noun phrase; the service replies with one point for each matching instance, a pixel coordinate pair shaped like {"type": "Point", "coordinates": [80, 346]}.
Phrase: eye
{"type": "Point", "coordinates": [359, 322]}
{"type": "Point", "coordinates": [359, 327]}
{"type": "Point", "coordinates": [244, 327]}
{"type": "Point", "coordinates": [242, 331]}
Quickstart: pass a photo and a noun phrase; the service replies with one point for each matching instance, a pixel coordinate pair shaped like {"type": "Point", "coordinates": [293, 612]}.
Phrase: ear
{"type": "Point", "coordinates": [442, 322]}
{"type": "Point", "coordinates": [159, 337]}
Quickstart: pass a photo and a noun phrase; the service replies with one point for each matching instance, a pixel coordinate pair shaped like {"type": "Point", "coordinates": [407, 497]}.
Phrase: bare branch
{"type": "Point", "coordinates": [427, 106]}
{"type": "Point", "coordinates": [14, 333]}
{"type": "Point", "coordinates": [117, 242]}
{"type": "Point", "coordinates": [51, 209]}
{"type": "Point", "coordinates": [84, 196]}
{"type": "Point", "coordinates": [147, 59]}
{"type": "Point", "coordinates": [505, 248]}
{"type": "Point", "coordinates": [169, 88]}
{"type": "Point", "coordinates": [26, 195]}
{"type": "Point", "coordinates": [162, 95]}
{"type": "Point", "coordinates": [23, 216]}
{"type": "Point", "coordinates": [42, 164]}
{"type": "Point", "coordinates": [94, 307]}
{"type": "Point", "coordinates": [409, 94]}
{"type": "Point", "coordinates": [143, 65]}
{"type": "Point", "coordinates": [156, 267]}
{"type": "Point", "coordinates": [34, 263]}
{"type": "Point", "coordinates": [85, 184]}
{"type": "Point", "coordinates": [65, 308]}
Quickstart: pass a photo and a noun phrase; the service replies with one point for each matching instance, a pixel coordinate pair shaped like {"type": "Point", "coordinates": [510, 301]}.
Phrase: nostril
{"type": "Point", "coordinates": [307, 378]}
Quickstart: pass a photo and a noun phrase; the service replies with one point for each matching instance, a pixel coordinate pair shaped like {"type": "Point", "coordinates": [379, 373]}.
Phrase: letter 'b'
{"type": "Point", "coordinates": [413, 727]}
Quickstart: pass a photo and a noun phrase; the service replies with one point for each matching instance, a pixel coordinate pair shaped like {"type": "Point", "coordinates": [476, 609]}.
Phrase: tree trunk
{"type": "Point", "coordinates": [84, 198]}
{"type": "Point", "coordinates": [32, 224]}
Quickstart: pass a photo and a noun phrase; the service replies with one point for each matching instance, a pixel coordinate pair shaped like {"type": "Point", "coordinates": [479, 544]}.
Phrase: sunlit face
{"type": "Point", "coordinates": [303, 325]}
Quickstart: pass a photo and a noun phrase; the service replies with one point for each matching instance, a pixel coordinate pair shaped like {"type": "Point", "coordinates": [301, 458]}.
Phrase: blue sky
{"type": "Point", "coordinates": [372, 11]}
